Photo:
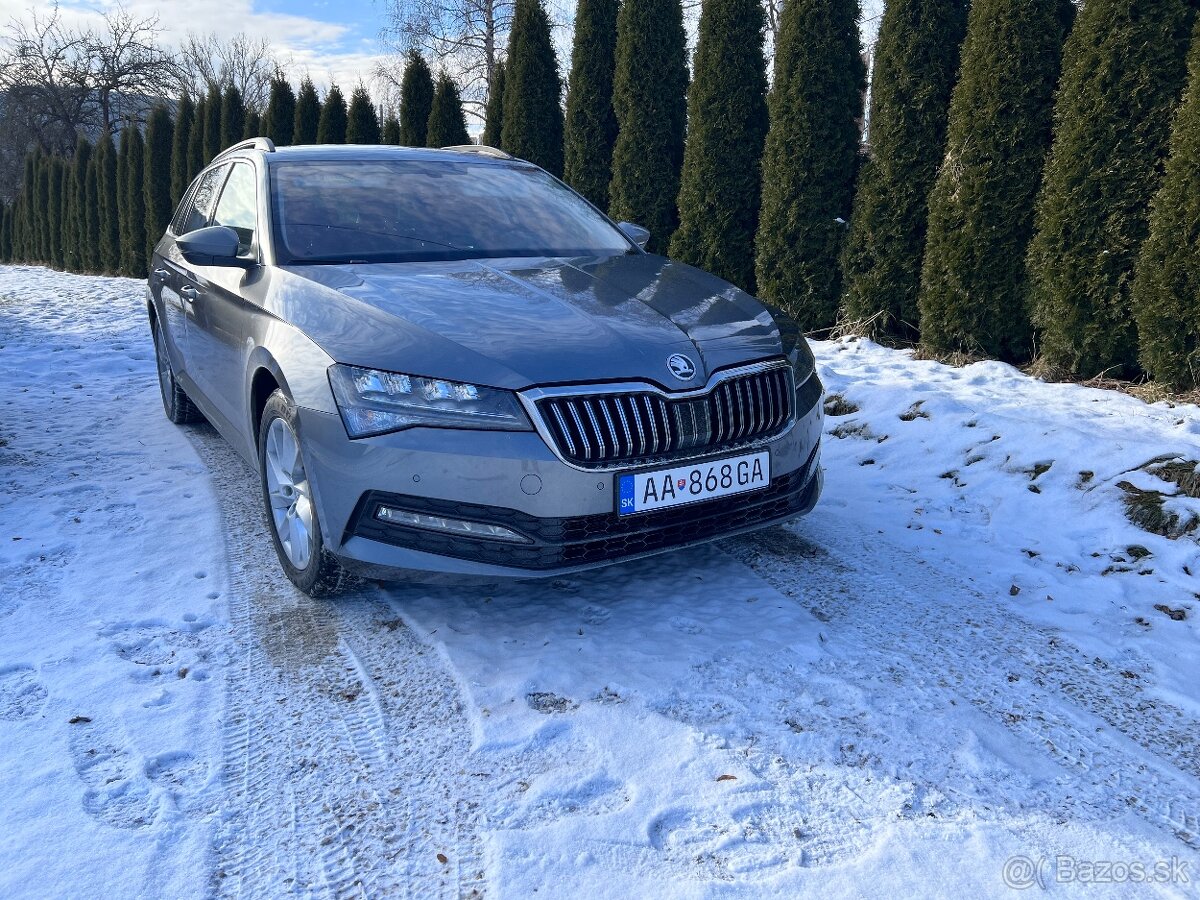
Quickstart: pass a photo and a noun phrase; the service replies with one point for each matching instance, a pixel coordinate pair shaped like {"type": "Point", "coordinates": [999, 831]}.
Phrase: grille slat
{"type": "Point", "coordinates": [605, 429]}
{"type": "Point", "coordinates": [637, 421]}
{"type": "Point", "coordinates": [587, 445]}
{"type": "Point", "coordinates": [562, 427]}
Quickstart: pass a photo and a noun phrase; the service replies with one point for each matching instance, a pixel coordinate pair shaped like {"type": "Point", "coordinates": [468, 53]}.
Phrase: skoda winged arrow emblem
{"type": "Point", "coordinates": [681, 367]}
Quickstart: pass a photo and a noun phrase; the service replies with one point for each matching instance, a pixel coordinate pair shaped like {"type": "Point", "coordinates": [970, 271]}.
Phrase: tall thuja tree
{"type": "Point", "coordinates": [134, 246]}
{"type": "Point", "coordinates": [43, 208]}
{"type": "Point", "coordinates": [55, 211]}
{"type": "Point", "coordinates": [362, 124]}
{"type": "Point", "coordinates": [16, 230]}
{"type": "Point", "coordinates": [93, 260]}
{"type": "Point", "coordinates": [279, 121]}
{"type": "Point", "coordinates": [493, 114]}
{"type": "Point", "coordinates": [649, 99]}
{"type": "Point", "coordinates": [26, 209]}
{"type": "Point", "coordinates": [124, 214]}
{"type": "Point", "coordinates": [233, 117]}
{"type": "Point", "coordinates": [155, 176]}
{"type": "Point", "coordinates": [213, 117]}
{"type": "Point", "coordinates": [916, 63]}
{"type": "Point", "coordinates": [6, 247]}
{"type": "Point", "coordinates": [532, 126]}
{"type": "Point", "coordinates": [66, 224]}
{"type": "Point", "coordinates": [416, 100]}
{"type": "Point", "coordinates": [1124, 67]}
{"type": "Point", "coordinates": [112, 216]}
{"type": "Point", "coordinates": [391, 131]}
{"type": "Point", "coordinates": [590, 129]}
{"type": "Point", "coordinates": [185, 112]}
{"type": "Point", "coordinates": [308, 114]}
{"type": "Point", "coordinates": [77, 234]}
{"type": "Point", "coordinates": [1166, 289]}
{"type": "Point", "coordinates": [331, 129]}
{"type": "Point", "coordinates": [811, 158]}
{"type": "Point", "coordinates": [195, 154]}
{"type": "Point", "coordinates": [447, 125]}
{"type": "Point", "coordinates": [973, 284]}
{"type": "Point", "coordinates": [720, 187]}
{"type": "Point", "coordinates": [253, 125]}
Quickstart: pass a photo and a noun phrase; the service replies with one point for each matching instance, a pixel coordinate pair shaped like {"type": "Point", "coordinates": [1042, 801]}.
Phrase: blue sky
{"type": "Point", "coordinates": [363, 16]}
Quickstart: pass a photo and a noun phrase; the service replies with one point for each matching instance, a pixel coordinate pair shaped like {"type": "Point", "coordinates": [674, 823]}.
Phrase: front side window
{"type": "Point", "coordinates": [422, 210]}
{"type": "Point", "coordinates": [238, 206]}
{"type": "Point", "coordinates": [201, 203]}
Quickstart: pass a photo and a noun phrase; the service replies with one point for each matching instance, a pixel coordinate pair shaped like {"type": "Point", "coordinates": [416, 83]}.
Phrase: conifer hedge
{"type": "Point", "coordinates": [532, 126]}
{"type": "Point", "coordinates": [308, 114]}
{"type": "Point", "coordinates": [649, 99]}
{"type": "Point", "coordinates": [915, 65]}
{"type": "Point", "coordinates": [447, 126]}
{"type": "Point", "coordinates": [1166, 289]}
{"type": "Point", "coordinates": [590, 127]}
{"type": "Point", "coordinates": [974, 292]}
{"type": "Point", "coordinates": [331, 129]}
{"type": "Point", "coordinates": [362, 124]}
{"type": "Point", "coordinates": [416, 101]}
{"type": "Point", "coordinates": [1124, 68]}
{"type": "Point", "coordinates": [811, 158]}
{"type": "Point", "coordinates": [720, 188]}
{"type": "Point", "coordinates": [493, 117]}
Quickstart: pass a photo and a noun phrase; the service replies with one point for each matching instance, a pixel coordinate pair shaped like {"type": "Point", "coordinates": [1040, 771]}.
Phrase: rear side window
{"type": "Point", "coordinates": [238, 206]}
{"type": "Point", "coordinates": [199, 206]}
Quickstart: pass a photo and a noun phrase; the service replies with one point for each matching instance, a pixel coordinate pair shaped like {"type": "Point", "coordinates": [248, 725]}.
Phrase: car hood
{"type": "Point", "coordinates": [517, 323]}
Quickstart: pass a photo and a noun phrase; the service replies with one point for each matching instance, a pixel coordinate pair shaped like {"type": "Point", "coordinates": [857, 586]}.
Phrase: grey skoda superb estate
{"type": "Point", "coordinates": [446, 363]}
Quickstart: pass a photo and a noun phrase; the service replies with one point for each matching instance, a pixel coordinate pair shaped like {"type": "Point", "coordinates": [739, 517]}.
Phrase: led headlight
{"type": "Point", "coordinates": [374, 402]}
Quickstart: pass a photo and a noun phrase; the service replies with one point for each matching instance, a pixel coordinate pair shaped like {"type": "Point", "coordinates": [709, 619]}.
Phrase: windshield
{"type": "Point", "coordinates": [328, 211]}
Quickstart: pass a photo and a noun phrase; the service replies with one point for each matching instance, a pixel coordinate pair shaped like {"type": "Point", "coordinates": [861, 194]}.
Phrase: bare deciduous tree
{"type": "Point", "coordinates": [45, 93]}
{"type": "Point", "coordinates": [59, 81]}
{"type": "Point", "coordinates": [464, 37]}
{"type": "Point", "coordinates": [126, 68]}
{"type": "Point", "coordinates": [246, 63]}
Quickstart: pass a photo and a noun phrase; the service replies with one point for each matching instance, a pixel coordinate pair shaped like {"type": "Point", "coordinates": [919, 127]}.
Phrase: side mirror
{"type": "Point", "coordinates": [216, 245]}
{"type": "Point", "coordinates": [635, 233]}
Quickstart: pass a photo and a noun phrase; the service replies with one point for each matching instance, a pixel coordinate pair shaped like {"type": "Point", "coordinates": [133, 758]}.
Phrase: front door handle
{"type": "Point", "coordinates": [161, 274]}
{"type": "Point", "coordinates": [189, 293]}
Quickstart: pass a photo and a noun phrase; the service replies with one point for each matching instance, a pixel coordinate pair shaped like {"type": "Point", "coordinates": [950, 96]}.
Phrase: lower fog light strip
{"type": "Point", "coordinates": [449, 526]}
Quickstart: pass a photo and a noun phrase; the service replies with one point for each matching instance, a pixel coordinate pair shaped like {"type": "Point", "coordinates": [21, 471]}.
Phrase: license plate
{"type": "Point", "coordinates": [646, 491]}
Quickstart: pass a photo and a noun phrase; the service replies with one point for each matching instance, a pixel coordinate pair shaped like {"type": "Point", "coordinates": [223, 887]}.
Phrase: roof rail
{"type": "Point", "coordinates": [258, 143]}
{"type": "Point", "coordinates": [481, 149]}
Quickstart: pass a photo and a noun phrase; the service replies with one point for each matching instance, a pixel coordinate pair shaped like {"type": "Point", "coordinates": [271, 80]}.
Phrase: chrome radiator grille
{"type": "Point", "coordinates": [598, 430]}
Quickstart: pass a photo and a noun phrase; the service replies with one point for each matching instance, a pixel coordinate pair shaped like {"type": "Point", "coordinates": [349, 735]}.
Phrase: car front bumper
{"type": "Point", "coordinates": [514, 479]}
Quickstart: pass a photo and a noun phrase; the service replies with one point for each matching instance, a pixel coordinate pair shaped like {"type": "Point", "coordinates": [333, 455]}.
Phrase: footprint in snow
{"type": "Point", "coordinates": [177, 773]}
{"type": "Point", "coordinates": [594, 797]}
{"type": "Point", "coordinates": [686, 626]}
{"type": "Point", "coordinates": [116, 793]}
{"type": "Point", "coordinates": [22, 695]}
{"type": "Point", "coordinates": [596, 615]}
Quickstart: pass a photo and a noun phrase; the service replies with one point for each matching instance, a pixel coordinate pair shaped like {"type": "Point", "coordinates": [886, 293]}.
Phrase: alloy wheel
{"type": "Point", "coordinates": [290, 493]}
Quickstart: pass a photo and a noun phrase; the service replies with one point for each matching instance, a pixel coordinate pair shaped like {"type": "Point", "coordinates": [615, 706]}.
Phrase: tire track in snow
{"type": "Point", "coordinates": [942, 639]}
{"type": "Point", "coordinates": [346, 737]}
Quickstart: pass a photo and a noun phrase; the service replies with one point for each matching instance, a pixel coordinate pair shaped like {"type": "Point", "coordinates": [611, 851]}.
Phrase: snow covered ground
{"type": "Point", "coordinates": [967, 655]}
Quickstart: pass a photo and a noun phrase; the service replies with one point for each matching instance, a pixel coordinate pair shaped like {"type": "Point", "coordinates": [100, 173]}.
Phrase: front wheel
{"type": "Point", "coordinates": [290, 506]}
